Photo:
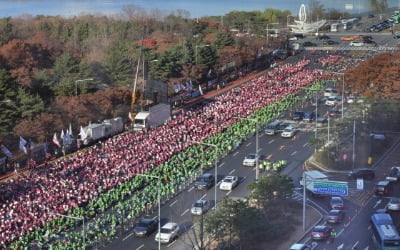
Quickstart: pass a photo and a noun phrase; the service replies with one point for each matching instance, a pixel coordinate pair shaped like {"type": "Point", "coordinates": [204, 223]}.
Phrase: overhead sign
{"type": "Point", "coordinates": [360, 184]}
{"type": "Point", "coordinates": [338, 188]}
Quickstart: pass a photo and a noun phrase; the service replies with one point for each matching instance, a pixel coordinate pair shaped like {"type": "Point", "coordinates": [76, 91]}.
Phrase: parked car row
{"type": "Point", "coordinates": [385, 24]}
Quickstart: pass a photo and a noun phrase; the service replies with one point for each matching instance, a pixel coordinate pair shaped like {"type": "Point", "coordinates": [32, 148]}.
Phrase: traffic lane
{"type": "Point", "coordinates": [230, 165]}
{"type": "Point", "coordinates": [351, 211]}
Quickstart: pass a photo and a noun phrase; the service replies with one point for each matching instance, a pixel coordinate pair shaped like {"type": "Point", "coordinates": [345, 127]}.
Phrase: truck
{"type": "Point", "coordinates": [113, 126]}
{"type": "Point", "coordinates": [312, 176]}
{"type": "Point", "coordinates": [93, 132]}
{"type": "Point", "coordinates": [154, 117]}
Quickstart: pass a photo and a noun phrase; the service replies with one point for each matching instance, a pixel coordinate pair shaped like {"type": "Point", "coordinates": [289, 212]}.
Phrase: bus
{"type": "Point", "coordinates": [347, 25]}
{"type": "Point", "coordinates": [335, 27]}
{"type": "Point", "coordinates": [384, 233]}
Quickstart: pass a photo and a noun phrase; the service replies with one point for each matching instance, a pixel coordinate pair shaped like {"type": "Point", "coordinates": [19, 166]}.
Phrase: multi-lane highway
{"type": "Point", "coordinates": [295, 152]}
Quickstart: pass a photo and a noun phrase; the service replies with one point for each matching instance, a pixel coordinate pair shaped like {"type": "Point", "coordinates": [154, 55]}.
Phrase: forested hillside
{"type": "Point", "coordinates": [55, 71]}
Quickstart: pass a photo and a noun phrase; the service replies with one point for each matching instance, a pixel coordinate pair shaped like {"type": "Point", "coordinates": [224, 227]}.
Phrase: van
{"type": "Point", "coordinates": [383, 188]}
{"type": "Point", "coordinates": [272, 128]}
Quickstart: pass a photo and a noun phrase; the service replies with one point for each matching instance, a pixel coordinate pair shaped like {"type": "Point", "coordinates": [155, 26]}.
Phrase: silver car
{"type": "Point", "coordinates": [394, 204]}
{"type": "Point", "coordinates": [200, 207]}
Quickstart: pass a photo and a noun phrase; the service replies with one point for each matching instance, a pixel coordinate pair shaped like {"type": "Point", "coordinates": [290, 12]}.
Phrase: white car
{"type": "Point", "coordinates": [168, 233]}
{"type": "Point", "coordinates": [394, 204]}
{"type": "Point", "coordinates": [229, 182]}
{"type": "Point", "coordinates": [200, 207]}
{"type": "Point", "coordinates": [288, 132]}
{"type": "Point", "coordinates": [357, 43]}
{"type": "Point", "coordinates": [330, 92]}
{"type": "Point", "coordinates": [330, 101]}
{"type": "Point", "coordinates": [394, 174]}
{"type": "Point", "coordinates": [250, 160]}
{"type": "Point", "coordinates": [298, 246]}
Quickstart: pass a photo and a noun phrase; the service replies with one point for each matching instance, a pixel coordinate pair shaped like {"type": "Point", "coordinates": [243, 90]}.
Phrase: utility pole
{"type": "Point", "coordinates": [354, 144]}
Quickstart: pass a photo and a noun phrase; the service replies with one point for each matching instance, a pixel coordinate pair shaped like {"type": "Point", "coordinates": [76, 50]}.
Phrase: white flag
{"type": "Point", "coordinates": [22, 144]}
{"type": "Point", "coordinates": [83, 134]}
{"type": "Point", "coordinates": [70, 130]}
{"type": "Point", "coordinates": [56, 141]}
{"type": "Point", "coordinates": [62, 134]}
{"type": "Point", "coordinates": [201, 91]}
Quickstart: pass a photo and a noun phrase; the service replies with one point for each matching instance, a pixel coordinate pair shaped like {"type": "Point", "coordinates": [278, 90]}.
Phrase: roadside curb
{"type": "Point", "coordinates": [311, 227]}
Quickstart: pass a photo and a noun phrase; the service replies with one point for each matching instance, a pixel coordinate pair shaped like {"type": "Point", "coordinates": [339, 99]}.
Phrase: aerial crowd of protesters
{"type": "Point", "coordinates": [31, 200]}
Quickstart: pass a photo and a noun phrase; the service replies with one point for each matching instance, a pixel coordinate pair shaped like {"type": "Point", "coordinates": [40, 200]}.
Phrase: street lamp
{"type": "Point", "coordinates": [159, 204]}
{"type": "Point", "coordinates": [216, 168]}
{"type": "Point", "coordinates": [74, 218]}
{"type": "Point", "coordinates": [342, 74]}
{"type": "Point", "coordinates": [81, 80]}
{"type": "Point", "coordinates": [195, 50]}
{"type": "Point", "coordinates": [257, 158]}
{"type": "Point", "coordinates": [268, 30]}
{"type": "Point", "coordinates": [316, 111]}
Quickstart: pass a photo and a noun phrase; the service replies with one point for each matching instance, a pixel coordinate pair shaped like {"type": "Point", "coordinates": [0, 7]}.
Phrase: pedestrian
{"type": "Point", "coordinates": [333, 235]}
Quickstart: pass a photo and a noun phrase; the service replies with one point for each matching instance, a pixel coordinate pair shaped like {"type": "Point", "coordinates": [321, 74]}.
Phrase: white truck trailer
{"type": "Point", "coordinates": [93, 132]}
{"type": "Point", "coordinates": [154, 117]}
{"type": "Point", "coordinates": [113, 126]}
{"type": "Point", "coordinates": [312, 176]}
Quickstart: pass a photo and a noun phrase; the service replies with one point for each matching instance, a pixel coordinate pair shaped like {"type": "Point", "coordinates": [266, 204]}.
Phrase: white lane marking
{"type": "Point", "coordinates": [170, 244]}
{"type": "Point", "coordinates": [377, 203]}
{"type": "Point", "coordinates": [259, 150]}
{"type": "Point", "coordinates": [155, 217]}
{"type": "Point", "coordinates": [173, 203]}
{"type": "Point", "coordinates": [369, 227]}
{"type": "Point", "coordinates": [219, 183]}
{"type": "Point", "coordinates": [233, 170]}
{"type": "Point", "coordinates": [187, 210]}
{"type": "Point", "coordinates": [237, 152]}
{"type": "Point", "coordinates": [340, 247]}
{"type": "Point", "coordinates": [366, 248]}
{"type": "Point", "coordinates": [190, 189]}
{"type": "Point", "coordinates": [293, 153]}
{"type": "Point", "coordinates": [248, 144]}
{"type": "Point", "coordinates": [261, 135]}
{"type": "Point", "coordinates": [202, 197]}
{"type": "Point", "coordinates": [141, 246]}
{"type": "Point", "coordinates": [220, 165]}
{"type": "Point", "coordinates": [354, 245]}
{"type": "Point", "coordinates": [228, 193]}
{"type": "Point", "coordinates": [340, 232]}
{"type": "Point", "coordinates": [129, 235]}
{"type": "Point", "coordinates": [305, 144]}
{"type": "Point", "coordinates": [271, 141]}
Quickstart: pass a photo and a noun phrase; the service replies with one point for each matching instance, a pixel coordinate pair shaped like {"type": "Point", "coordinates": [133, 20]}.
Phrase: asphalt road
{"type": "Point", "coordinates": [295, 152]}
{"type": "Point", "coordinates": [355, 232]}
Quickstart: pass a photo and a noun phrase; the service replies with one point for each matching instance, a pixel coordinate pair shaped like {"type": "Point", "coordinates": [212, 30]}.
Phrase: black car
{"type": "Point", "coordinates": [205, 181]}
{"type": "Point", "coordinates": [323, 37]}
{"type": "Point", "coordinates": [145, 227]}
{"type": "Point", "coordinates": [383, 188]}
{"type": "Point", "coordinates": [309, 116]}
{"type": "Point", "coordinates": [337, 203]}
{"type": "Point", "coordinates": [321, 233]}
{"type": "Point", "coordinates": [371, 16]}
{"type": "Point", "coordinates": [330, 42]}
{"type": "Point", "coordinates": [334, 112]}
{"type": "Point", "coordinates": [298, 115]}
{"type": "Point", "coordinates": [335, 216]}
{"type": "Point", "coordinates": [309, 44]}
{"type": "Point", "coordinates": [365, 173]}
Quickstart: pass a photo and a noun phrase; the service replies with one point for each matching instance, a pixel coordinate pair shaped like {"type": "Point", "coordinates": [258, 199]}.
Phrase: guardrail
{"type": "Point", "coordinates": [377, 48]}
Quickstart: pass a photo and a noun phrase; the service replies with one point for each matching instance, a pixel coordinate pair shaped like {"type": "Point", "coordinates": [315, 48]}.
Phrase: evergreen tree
{"type": "Point", "coordinates": [223, 39]}
{"type": "Point", "coordinates": [28, 104]}
{"type": "Point", "coordinates": [118, 65]}
{"type": "Point", "coordinates": [8, 92]}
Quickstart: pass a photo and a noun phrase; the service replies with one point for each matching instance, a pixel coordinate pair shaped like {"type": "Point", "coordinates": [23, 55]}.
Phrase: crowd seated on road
{"type": "Point", "coordinates": [31, 200]}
